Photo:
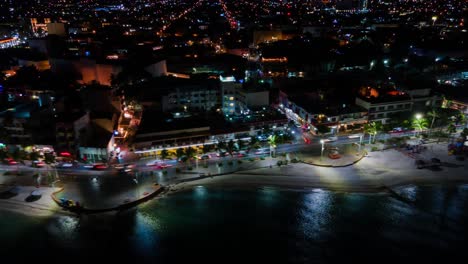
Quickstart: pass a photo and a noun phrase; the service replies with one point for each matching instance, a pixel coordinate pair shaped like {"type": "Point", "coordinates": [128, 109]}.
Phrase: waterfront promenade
{"type": "Point", "coordinates": [375, 172]}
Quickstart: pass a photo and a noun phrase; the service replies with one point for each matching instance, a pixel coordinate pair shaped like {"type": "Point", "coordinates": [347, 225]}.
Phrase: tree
{"type": "Point", "coordinates": [230, 147]}
{"type": "Point", "coordinates": [49, 157]}
{"type": "Point", "coordinates": [420, 124]}
{"type": "Point", "coordinates": [206, 149]}
{"type": "Point", "coordinates": [3, 154]}
{"type": "Point", "coordinates": [34, 155]}
{"type": "Point", "coordinates": [19, 154]}
{"type": "Point", "coordinates": [179, 153]}
{"type": "Point", "coordinates": [221, 145]}
{"type": "Point", "coordinates": [464, 134]}
{"type": "Point", "coordinates": [372, 129]}
{"type": "Point", "coordinates": [164, 154]}
{"type": "Point", "coordinates": [433, 114]}
{"type": "Point", "coordinates": [253, 143]}
{"type": "Point", "coordinates": [451, 128]}
{"type": "Point", "coordinates": [272, 140]}
{"type": "Point", "coordinates": [323, 129]}
{"type": "Point", "coordinates": [190, 152]}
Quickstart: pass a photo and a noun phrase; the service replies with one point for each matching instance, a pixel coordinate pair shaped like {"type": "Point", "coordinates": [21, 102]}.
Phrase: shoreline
{"type": "Point", "coordinates": [221, 184]}
{"type": "Point", "coordinates": [379, 172]}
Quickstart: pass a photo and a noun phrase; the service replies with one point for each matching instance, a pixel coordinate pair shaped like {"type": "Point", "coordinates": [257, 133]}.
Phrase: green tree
{"type": "Point", "coordinates": [206, 149]}
{"type": "Point", "coordinates": [372, 129]}
{"type": "Point", "coordinates": [179, 153]}
{"type": "Point", "coordinates": [221, 146]}
{"type": "Point", "coordinates": [253, 143]}
{"type": "Point", "coordinates": [420, 124]}
{"type": "Point", "coordinates": [230, 147]}
{"type": "Point", "coordinates": [190, 152]}
{"type": "Point", "coordinates": [164, 154]}
{"type": "Point", "coordinates": [451, 128]}
{"type": "Point", "coordinates": [34, 155]}
{"type": "Point", "coordinates": [3, 154]}
{"type": "Point", "coordinates": [323, 129]}
{"type": "Point", "coordinates": [272, 141]}
{"type": "Point", "coordinates": [464, 134]}
{"type": "Point", "coordinates": [49, 157]}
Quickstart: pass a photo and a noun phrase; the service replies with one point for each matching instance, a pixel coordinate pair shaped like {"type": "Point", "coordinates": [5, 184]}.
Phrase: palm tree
{"type": "Point", "coordinates": [164, 154]}
{"type": "Point", "coordinates": [433, 114]}
{"type": "Point", "coordinates": [206, 149]}
{"type": "Point", "coordinates": [272, 143]}
{"type": "Point", "coordinates": [190, 152]}
{"type": "Point", "coordinates": [420, 124]}
{"type": "Point", "coordinates": [451, 128]}
{"type": "Point", "coordinates": [230, 147]}
{"type": "Point", "coordinates": [253, 143]}
{"type": "Point", "coordinates": [372, 129]}
{"type": "Point", "coordinates": [179, 153]}
{"type": "Point", "coordinates": [221, 146]}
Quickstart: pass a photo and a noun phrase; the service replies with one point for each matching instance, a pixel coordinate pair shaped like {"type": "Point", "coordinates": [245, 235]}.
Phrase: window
{"type": "Point", "coordinates": [390, 107]}
{"type": "Point", "coordinates": [407, 106]}
{"type": "Point", "coordinates": [399, 106]}
{"type": "Point", "coordinates": [380, 115]}
{"type": "Point", "coordinates": [372, 109]}
{"type": "Point", "coordinates": [381, 108]}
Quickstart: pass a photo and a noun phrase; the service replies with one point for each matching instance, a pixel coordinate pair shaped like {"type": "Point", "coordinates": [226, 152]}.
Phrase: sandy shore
{"type": "Point", "coordinates": [375, 173]}
{"type": "Point", "coordinates": [378, 172]}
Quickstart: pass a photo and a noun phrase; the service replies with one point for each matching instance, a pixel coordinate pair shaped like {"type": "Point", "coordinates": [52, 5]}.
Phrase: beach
{"type": "Point", "coordinates": [376, 172]}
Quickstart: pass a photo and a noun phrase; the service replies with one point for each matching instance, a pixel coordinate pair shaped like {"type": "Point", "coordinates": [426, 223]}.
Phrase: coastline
{"type": "Point", "coordinates": [379, 172]}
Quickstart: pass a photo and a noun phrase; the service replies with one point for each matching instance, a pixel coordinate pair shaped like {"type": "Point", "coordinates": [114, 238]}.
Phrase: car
{"type": "Point", "coordinates": [164, 166]}
{"type": "Point", "coordinates": [100, 166]}
{"type": "Point", "coordinates": [38, 164]}
{"type": "Point", "coordinates": [222, 154]}
{"type": "Point", "coordinates": [66, 165]}
{"type": "Point", "coordinates": [88, 166]}
{"type": "Point", "coordinates": [331, 139]}
{"type": "Point", "coordinates": [204, 157]}
{"type": "Point", "coordinates": [10, 161]}
{"type": "Point", "coordinates": [153, 163]}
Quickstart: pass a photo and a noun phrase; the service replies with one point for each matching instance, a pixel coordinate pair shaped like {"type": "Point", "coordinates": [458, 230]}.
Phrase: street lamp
{"type": "Point", "coordinates": [323, 147]}
{"type": "Point", "coordinates": [418, 117]}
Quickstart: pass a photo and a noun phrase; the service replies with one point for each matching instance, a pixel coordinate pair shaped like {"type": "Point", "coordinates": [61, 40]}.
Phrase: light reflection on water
{"type": "Point", "coordinates": [299, 226]}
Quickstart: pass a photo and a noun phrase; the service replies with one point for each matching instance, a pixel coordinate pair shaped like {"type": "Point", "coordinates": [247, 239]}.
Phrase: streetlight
{"type": "Point", "coordinates": [418, 117]}
{"type": "Point", "coordinates": [323, 147]}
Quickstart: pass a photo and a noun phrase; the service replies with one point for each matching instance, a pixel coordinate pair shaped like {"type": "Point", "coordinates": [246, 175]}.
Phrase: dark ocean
{"type": "Point", "coordinates": [423, 224]}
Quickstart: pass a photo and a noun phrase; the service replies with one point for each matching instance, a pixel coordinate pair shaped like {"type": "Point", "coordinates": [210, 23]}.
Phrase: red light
{"type": "Point", "coordinates": [65, 154]}
{"type": "Point", "coordinates": [289, 13]}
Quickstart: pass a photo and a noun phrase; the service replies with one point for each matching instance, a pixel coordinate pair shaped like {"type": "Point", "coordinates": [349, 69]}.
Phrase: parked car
{"type": "Point", "coordinates": [204, 157]}
{"type": "Point", "coordinates": [331, 139]}
{"type": "Point", "coordinates": [10, 161]}
{"type": "Point", "coordinates": [100, 166]}
{"type": "Point", "coordinates": [163, 166]}
{"type": "Point", "coordinates": [38, 164]}
{"type": "Point", "coordinates": [66, 165]}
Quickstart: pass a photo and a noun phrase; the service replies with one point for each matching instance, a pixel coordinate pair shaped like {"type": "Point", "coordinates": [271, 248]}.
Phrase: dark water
{"type": "Point", "coordinates": [426, 224]}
